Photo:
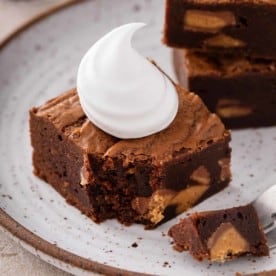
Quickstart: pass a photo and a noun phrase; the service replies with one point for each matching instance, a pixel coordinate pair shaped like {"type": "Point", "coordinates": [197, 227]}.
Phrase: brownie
{"type": "Point", "coordinates": [221, 235]}
{"type": "Point", "coordinates": [241, 90]}
{"type": "Point", "coordinates": [262, 273]}
{"type": "Point", "coordinates": [147, 180]}
{"type": "Point", "coordinates": [245, 26]}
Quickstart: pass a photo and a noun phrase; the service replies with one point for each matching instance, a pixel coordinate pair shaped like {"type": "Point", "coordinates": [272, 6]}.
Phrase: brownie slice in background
{"type": "Point", "coordinates": [224, 26]}
{"type": "Point", "coordinates": [241, 90]}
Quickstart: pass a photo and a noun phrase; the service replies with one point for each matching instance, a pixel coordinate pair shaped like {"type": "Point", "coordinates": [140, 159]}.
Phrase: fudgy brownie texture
{"type": "Point", "coordinates": [221, 235]}
{"type": "Point", "coordinates": [146, 180]}
{"type": "Point", "coordinates": [241, 90]}
{"type": "Point", "coordinates": [245, 26]}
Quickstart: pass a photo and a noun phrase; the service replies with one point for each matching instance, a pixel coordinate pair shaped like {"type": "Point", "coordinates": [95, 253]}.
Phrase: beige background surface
{"type": "Point", "coordinates": [15, 14]}
{"type": "Point", "coordinates": [14, 260]}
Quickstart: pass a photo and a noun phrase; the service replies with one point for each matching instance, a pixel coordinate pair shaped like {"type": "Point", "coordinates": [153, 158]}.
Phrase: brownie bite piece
{"type": "Point", "coordinates": [223, 26]}
{"type": "Point", "coordinates": [221, 235]}
{"type": "Point", "coordinates": [262, 273]}
{"type": "Point", "coordinates": [241, 90]}
{"type": "Point", "coordinates": [147, 180]}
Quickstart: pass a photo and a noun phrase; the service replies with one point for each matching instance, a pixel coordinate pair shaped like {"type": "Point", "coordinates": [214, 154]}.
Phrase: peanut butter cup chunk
{"type": "Point", "coordinates": [220, 235]}
{"type": "Point", "coordinates": [147, 180]}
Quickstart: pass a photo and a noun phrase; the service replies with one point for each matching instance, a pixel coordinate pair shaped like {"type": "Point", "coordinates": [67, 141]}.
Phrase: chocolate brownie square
{"type": "Point", "coordinates": [147, 180]}
{"type": "Point", "coordinates": [221, 235]}
{"type": "Point", "coordinates": [241, 90]}
{"type": "Point", "coordinates": [245, 26]}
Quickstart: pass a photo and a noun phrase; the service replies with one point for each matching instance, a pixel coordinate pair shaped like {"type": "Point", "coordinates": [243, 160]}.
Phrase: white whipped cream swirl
{"type": "Point", "coordinates": [120, 91]}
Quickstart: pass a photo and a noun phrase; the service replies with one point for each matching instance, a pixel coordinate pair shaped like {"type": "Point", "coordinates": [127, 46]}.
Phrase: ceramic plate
{"type": "Point", "coordinates": [42, 62]}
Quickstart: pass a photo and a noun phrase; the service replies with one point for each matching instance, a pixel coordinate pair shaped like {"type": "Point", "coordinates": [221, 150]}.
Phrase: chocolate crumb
{"type": "Point", "coordinates": [136, 8]}
{"type": "Point", "coordinates": [134, 245]}
{"type": "Point", "coordinates": [38, 47]}
{"type": "Point", "coordinates": [165, 264]}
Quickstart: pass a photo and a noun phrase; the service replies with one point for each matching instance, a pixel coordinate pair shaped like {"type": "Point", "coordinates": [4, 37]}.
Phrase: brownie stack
{"type": "Point", "coordinates": [225, 51]}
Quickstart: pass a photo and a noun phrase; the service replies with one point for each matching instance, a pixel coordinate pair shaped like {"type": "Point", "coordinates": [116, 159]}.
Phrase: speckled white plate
{"type": "Point", "coordinates": [40, 63]}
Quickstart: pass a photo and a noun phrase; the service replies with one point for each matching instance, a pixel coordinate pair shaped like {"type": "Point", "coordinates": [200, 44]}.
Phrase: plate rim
{"type": "Point", "coordinates": [52, 250]}
{"type": "Point", "coordinates": [36, 18]}
{"type": "Point", "coordinates": [23, 234]}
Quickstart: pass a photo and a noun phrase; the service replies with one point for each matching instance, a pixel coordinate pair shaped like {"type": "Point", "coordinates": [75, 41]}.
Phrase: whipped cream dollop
{"type": "Point", "coordinates": [122, 92]}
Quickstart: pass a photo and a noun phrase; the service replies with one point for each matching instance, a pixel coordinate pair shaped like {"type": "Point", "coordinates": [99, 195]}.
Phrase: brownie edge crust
{"type": "Point", "coordinates": [147, 180]}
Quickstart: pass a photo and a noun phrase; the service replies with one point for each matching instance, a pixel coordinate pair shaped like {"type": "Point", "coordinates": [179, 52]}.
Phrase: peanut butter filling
{"type": "Point", "coordinates": [153, 208]}
{"type": "Point", "coordinates": [208, 21]}
{"type": "Point", "coordinates": [224, 41]}
{"type": "Point", "coordinates": [188, 197]}
{"type": "Point", "coordinates": [201, 175]}
{"type": "Point", "coordinates": [85, 172]}
{"type": "Point", "coordinates": [231, 108]}
{"type": "Point", "coordinates": [225, 242]}
{"type": "Point", "coordinates": [225, 173]}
